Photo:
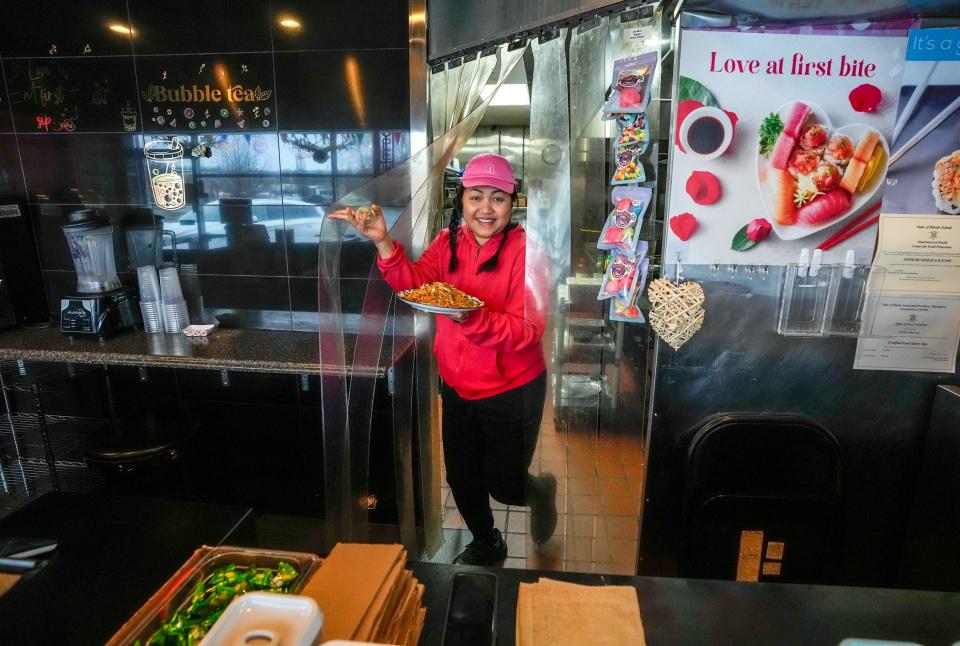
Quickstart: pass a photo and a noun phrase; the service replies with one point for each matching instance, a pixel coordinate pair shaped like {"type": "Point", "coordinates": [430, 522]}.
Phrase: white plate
{"type": "Point", "coordinates": [436, 309]}
{"type": "Point", "coordinates": [859, 202]}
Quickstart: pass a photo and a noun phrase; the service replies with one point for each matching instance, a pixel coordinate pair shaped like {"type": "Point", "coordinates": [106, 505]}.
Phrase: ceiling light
{"type": "Point", "coordinates": [120, 28]}
{"type": "Point", "coordinates": [508, 94]}
{"type": "Point", "coordinates": [289, 22]}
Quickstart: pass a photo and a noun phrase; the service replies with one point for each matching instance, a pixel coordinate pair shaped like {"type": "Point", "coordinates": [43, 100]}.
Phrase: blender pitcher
{"type": "Point", "coordinates": [90, 239]}
{"type": "Point", "coordinates": [145, 239]}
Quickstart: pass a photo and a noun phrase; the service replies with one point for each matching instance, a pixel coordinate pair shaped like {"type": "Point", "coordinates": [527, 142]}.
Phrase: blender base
{"type": "Point", "coordinates": [100, 314]}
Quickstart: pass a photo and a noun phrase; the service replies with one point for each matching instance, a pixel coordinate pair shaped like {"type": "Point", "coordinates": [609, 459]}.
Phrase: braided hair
{"type": "Point", "coordinates": [454, 226]}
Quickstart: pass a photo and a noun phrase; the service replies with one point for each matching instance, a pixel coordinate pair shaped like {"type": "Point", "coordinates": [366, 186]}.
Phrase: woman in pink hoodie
{"type": "Point", "coordinates": [490, 360]}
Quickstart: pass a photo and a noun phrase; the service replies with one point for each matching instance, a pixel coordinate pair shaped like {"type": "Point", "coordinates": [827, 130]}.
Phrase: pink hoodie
{"type": "Point", "coordinates": [497, 348]}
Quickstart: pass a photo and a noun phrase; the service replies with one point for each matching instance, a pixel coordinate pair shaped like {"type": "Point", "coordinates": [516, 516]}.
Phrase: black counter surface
{"type": "Point", "coordinates": [115, 552]}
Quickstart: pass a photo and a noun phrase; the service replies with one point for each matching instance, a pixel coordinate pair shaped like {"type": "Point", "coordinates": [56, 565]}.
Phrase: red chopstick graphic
{"type": "Point", "coordinates": [857, 225]}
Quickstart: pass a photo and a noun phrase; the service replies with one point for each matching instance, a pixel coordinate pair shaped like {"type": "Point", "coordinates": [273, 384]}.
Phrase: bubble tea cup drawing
{"type": "Point", "coordinates": [163, 163]}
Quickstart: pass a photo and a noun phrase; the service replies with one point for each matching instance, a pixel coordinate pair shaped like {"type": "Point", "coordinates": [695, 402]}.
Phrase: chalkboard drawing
{"type": "Point", "coordinates": [44, 121]}
{"type": "Point", "coordinates": [101, 94]}
{"type": "Point", "coordinates": [129, 117]}
{"type": "Point", "coordinates": [53, 49]}
{"type": "Point", "coordinates": [164, 157]}
{"type": "Point", "coordinates": [87, 49]}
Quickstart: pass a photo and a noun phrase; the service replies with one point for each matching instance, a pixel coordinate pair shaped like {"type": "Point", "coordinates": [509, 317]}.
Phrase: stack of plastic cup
{"type": "Point", "coordinates": [174, 307]}
{"type": "Point", "coordinates": [190, 281]}
{"type": "Point", "coordinates": [150, 299]}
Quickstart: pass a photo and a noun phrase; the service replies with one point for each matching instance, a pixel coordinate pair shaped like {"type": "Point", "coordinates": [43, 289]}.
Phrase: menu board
{"type": "Point", "coordinates": [780, 139]}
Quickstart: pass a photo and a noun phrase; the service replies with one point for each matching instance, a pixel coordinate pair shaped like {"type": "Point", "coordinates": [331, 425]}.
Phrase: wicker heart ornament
{"type": "Point", "coordinates": [677, 310]}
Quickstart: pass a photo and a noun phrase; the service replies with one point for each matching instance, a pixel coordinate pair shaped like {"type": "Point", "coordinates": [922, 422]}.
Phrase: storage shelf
{"type": "Point", "coordinates": [49, 377]}
{"type": "Point", "coordinates": [72, 476]}
{"type": "Point", "coordinates": [67, 435]}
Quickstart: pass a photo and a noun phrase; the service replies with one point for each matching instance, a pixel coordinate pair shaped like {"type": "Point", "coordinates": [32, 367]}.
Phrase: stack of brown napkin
{"type": "Point", "coordinates": [366, 594]}
{"type": "Point", "coordinates": [553, 613]}
{"type": "Point", "coordinates": [7, 581]}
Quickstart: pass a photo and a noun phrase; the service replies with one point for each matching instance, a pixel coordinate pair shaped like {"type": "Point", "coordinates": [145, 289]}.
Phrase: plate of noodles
{"type": "Point", "coordinates": [440, 298]}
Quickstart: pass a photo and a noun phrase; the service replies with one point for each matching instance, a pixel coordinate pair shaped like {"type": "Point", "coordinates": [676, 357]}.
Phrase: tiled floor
{"type": "Point", "coordinates": [599, 497]}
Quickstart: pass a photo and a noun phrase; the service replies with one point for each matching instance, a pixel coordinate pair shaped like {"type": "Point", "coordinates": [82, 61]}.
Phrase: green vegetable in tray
{"type": "Point", "coordinates": [770, 129]}
{"type": "Point", "coordinates": [211, 596]}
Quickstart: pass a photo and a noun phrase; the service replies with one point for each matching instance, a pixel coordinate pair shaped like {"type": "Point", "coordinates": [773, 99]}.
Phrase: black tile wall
{"type": "Point", "coordinates": [64, 28]}
{"type": "Point", "coordinates": [6, 120]}
{"type": "Point", "coordinates": [67, 95]}
{"type": "Point", "coordinates": [212, 92]}
{"type": "Point", "coordinates": [104, 168]}
{"type": "Point", "coordinates": [11, 174]}
{"type": "Point", "coordinates": [307, 24]}
{"type": "Point", "coordinates": [188, 26]}
{"type": "Point", "coordinates": [222, 78]}
{"type": "Point", "coordinates": [346, 89]}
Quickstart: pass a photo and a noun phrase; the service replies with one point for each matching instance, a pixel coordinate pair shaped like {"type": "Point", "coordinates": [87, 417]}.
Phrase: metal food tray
{"type": "Point", "coordinates": [178, 589]}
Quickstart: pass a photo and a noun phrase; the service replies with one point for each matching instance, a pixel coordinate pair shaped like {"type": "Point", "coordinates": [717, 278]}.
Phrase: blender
{"type": "Point", "coordinates": [145, 233]}
{"type": "Point", "coordinates": [101, 305]}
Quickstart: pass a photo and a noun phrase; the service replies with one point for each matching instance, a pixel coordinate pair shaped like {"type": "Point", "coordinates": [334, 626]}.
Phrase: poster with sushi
{"type": "Point", "coordinates": [780, 140]}
{"type": "Point", "coordinates": [925, 176]}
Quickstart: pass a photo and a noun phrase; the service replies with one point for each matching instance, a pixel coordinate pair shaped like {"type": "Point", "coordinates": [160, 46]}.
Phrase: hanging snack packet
{"type": "Point", "coordinates": [627, 311]}
{"type": "Point", "coordinates": [629, 167]}
{"type": "Point", "coordinates": [631, 80]}
{"type": "Point", "coordinates": [632, 131]}
{"type": "Point", "coordinates": [621, 231]}
{"type": "Point", "coordinates": [620, 279]}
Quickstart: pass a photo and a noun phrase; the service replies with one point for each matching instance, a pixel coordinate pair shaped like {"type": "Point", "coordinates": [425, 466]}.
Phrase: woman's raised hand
{"type": "Point", "coordinates": [373, 228]}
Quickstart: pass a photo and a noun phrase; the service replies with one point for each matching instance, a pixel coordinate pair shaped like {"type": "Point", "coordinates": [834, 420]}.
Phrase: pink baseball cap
{"type": "Point", "coordinates": [489, 170]}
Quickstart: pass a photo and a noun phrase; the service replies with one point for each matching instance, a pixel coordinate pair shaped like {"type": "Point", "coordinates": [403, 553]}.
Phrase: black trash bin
{"type": "Point", "coordinates": [762, 500]}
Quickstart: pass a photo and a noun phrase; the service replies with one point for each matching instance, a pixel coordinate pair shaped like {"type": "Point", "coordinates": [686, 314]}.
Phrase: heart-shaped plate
{"type": "Point", "coordinates": [859, 201]}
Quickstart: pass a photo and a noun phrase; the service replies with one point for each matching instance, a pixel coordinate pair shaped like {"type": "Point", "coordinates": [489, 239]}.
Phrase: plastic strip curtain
{"type": "Point", "coordinates": [438, 102]}
{"type": "Point", "coordinates": [548, 184]}
{"type": "Point", "coordinates": [353, 350]}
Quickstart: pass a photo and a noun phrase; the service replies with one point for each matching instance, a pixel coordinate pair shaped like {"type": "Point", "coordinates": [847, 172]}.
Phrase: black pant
{"type": "Point", "coordinates": [488, 445]}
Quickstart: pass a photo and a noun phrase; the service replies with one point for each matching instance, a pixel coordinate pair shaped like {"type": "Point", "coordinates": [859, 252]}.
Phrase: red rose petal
{"type": "Point", "coordinates": [684, 225]}
{"type": "Point", "coordinates": [865, 98]}
{"type": "Point", "coordinates": [703, 187]}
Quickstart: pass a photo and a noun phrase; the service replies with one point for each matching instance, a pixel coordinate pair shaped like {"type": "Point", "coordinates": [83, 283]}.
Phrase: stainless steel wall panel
{"type": "Point", "coordinates": [930, 560]}
{"type": "Point", "coordinates": [738, 363]}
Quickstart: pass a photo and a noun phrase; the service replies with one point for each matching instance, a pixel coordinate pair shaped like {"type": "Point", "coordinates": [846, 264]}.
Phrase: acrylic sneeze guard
{"type": "Point", "coordinates": [352, 348]}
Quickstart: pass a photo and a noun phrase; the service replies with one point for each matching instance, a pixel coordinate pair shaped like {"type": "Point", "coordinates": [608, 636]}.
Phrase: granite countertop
{"type": "Point", "coordinates": [249, 350]}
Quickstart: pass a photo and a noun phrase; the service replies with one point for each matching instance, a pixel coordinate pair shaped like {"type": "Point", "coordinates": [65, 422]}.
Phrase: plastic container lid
{"type": "Point", "coordinates": [85, 219]}
{"type": "Point", "coordinates": [265, 618]}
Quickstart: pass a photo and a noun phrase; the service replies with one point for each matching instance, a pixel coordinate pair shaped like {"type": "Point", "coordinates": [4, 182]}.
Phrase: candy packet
{"type": "Point", "coordinates": [621, 231]}
{"type": "Point", "coordinates": [627, 311]}
{"type": "Point", "coordinates": [620, 279]}
{"type": "Point", "coordinates": [629, 167]}
{"type": "Point", "coordinates": [631, 80]}
{"type": "Point", "coordinates": [632, 131]}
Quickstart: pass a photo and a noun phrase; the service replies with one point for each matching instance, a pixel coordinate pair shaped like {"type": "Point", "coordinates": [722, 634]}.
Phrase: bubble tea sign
{"type": "Point", "coordinates": [164, 157]}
